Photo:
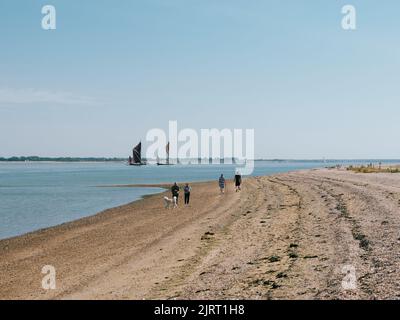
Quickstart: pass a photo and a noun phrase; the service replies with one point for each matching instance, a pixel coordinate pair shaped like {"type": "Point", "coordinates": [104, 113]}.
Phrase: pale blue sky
{"type": "Point", "coordinates": [114, 69]}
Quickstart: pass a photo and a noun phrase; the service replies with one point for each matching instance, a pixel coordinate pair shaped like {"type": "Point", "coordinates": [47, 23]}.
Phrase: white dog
{"type": "Point", "coordinates": [170, 202]}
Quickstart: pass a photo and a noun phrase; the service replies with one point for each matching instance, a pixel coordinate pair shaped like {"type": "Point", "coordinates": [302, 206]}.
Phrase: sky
{"type": "Point", "coordinates": [113, 70]}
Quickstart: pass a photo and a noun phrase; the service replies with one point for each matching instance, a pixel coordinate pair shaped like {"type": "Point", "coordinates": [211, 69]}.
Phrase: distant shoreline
{"type": "Point", "coordinates": [117, 159]}
{"type": "Point", "coordinates": [60, 159]}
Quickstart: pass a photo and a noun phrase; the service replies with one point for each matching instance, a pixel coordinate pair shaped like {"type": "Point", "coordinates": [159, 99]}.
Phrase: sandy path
{"type": "Point", "coordinates": [288, 236]}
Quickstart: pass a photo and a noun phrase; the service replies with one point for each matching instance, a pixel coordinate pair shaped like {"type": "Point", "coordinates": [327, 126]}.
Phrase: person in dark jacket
{"type": "Point", "coordinates": [175, 191]}
{"type": "Point", "coordinates": [221, 183]}
{"type": "Point", "coordinates": [238, 181]}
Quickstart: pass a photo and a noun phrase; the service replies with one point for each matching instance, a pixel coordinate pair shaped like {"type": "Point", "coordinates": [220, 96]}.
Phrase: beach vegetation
{"type": "Point", "coordinates": [370, 168]}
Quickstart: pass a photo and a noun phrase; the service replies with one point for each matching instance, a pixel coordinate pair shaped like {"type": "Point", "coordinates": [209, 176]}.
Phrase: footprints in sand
{"type": "Point", "coordinates": [207, 236]}
{"type": "Point", "coordinates": [270, 284]}
{"type": "Point", "coordinates": [292, 239]}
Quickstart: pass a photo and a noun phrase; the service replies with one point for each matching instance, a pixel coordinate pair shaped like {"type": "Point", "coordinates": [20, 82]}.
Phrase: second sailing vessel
{"type": "Point", "coordinates": [167, 163]}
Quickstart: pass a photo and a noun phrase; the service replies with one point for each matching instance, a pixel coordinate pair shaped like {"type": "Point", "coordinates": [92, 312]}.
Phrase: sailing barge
{"type": "Point", "coordinates": [136, 158]}
{"type": "Point", "coordinates": [167, 163]}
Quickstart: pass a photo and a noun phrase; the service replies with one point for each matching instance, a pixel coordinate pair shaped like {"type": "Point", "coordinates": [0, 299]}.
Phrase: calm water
{"type": "Point", "coordinates": [39, 195]}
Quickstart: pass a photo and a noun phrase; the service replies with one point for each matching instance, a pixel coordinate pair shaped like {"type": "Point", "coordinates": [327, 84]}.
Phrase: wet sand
{"type": "Point", "coordinates": [287, 236]}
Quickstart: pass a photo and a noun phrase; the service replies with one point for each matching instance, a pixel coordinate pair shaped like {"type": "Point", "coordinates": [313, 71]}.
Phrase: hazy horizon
{"type": "Point", "coordinates": [256, 159]}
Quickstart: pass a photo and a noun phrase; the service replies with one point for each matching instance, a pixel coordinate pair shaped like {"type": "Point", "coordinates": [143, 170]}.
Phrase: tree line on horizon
{"type": "Point", "coordinates": [60, 159]}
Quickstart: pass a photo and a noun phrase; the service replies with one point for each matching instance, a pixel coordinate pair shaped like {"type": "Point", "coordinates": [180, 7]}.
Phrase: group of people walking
{"type": "Point", "coordinates": [175, 192]}
{"type": "Point", "coordinates": [237, 180]}
{"type": "Point", "coordinates": [221, 183]}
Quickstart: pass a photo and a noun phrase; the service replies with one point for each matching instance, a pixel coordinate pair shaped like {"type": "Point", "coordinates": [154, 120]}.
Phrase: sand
{"type": "Point", "coordinates": [287, 236]}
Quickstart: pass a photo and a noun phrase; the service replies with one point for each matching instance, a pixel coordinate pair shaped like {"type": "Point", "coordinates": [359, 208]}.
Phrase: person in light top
{"type": "Point", "coordinates": [187, 189]}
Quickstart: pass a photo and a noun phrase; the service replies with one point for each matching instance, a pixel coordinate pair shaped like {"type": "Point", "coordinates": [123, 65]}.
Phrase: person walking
{"type": "Point", "coordinates": [238, 181]}
{"type": "Point", "coordinates": [175, 192]}
{"type": "Point", "coordinates": [187, 190]}
{"type": "Point", "coordinates": [221, 183]}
